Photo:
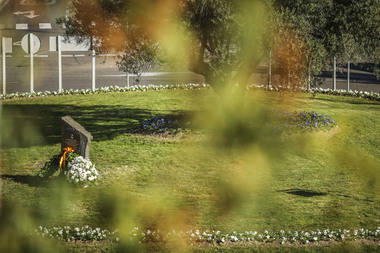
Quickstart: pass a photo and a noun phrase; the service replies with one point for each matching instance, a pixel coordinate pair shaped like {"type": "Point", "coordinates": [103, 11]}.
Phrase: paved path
{"type": "Point", "coordinates": [20, 17]}
{"type": "Point", "coordinates": [359, 80]}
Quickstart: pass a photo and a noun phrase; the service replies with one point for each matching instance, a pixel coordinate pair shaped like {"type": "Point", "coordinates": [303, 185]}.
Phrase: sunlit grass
{"type": "Point", "coordinates": [306, 185]}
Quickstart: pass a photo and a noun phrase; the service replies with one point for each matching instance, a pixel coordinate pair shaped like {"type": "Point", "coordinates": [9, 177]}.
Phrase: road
{"type": "Point", "coordinates": [359, 80]}
{"type": "Point", "coordinates": [21, 17]}
{"type": "Point", "coordinates": [76, 73]}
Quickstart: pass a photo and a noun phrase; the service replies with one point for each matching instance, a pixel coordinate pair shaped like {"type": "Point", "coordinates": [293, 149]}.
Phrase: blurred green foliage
{"type": "Point", "coordinates": [240, 171]}
{"type": "Point", "coordinates": [235, 174]}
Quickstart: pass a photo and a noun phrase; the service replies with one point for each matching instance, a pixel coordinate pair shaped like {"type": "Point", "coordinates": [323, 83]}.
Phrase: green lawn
{"type": "Point", "coordinates": [224, 175]}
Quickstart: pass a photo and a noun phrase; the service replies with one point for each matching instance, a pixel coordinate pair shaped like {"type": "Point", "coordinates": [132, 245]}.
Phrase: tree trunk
{"type": "Point", "coordinates": [200, 67]}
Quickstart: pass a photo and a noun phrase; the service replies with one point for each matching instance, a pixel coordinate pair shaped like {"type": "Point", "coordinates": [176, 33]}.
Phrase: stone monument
{"type": "Point", "coordinates": [75, 136]}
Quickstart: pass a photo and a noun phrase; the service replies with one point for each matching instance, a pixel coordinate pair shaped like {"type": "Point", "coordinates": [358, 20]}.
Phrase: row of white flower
{"type": "Point", "coordinates": [191, 86]}
{"type": "Point", "coordinates": [282, 237]}
{"type": "Point", "coordinates": [351, 93]}
{"type": "Point", "coordinates": [87, 233]}
{"type": "Point", "coordinates": [142, 88]}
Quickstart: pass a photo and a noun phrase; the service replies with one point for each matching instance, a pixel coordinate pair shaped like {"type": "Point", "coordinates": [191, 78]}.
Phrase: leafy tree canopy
{"type": "Point", "coordinates": [225, 40]}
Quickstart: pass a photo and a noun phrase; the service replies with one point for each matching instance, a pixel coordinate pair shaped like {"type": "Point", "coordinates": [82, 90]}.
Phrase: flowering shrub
{"type": "Point", "coordinates": [282, 236]}
{"type": "Point", "coordinates": [81, 171]}
{"type": "Point", "coordinates": [285, 236]}
{"type": "Point", "coordinates": [108, 89]}
{"type": "Point", "coordinates": [78, 171]}
{"type": "Point", "coordinates": [363, 94]}
{"type": "Point", "coordinates": [308, 121]}
{"type": "Point", "coordinates": [87, 233]}
{"type": "Point", "coordinates": [163, 125]}
{"type": "Point", "coordinates": [352, 93]}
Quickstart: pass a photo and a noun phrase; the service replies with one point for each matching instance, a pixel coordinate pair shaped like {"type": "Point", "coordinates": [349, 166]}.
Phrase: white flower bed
{"type": "Point", "coordinates": [192, 86]}
{"type": "Point", "coordinates": [81, 171]}
{"type": "Point", "coordinates": [303, 237]}
{"type": "Point", "coordinates": [351, 93]}
{"type": "Point", "coordinates": [86, 233]}
{"type": "Point", "coordinates": [142, 88]}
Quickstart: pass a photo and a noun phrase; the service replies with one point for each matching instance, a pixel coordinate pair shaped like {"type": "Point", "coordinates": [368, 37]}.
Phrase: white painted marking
{"type": "Point", "coordinates": [17, 43]}
{"type": "Point", "coordinates": [31, 2]}
{"type": "Point", "coordinates": [3, 3]}
{"type": "Point", "coordinates": [44, 25]}
{"type": "Point", "coordinates": [29, 14]}
{"type": "Point", "coordinates": [21, 26]}
{"type": "Point", "coordinates": [68, 45]}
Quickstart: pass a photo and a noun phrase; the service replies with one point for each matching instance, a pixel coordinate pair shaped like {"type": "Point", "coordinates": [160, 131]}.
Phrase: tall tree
{"type": "Point", "coordinates": [212, 37]}
{"type": "Point", "coordinates": [347, 29]}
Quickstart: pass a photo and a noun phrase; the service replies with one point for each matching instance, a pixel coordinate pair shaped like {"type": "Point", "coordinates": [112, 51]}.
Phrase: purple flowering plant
{"type": "Point", "coordinates": [166, 124]}
{"type": "Point", "coordinates": [308, 121]}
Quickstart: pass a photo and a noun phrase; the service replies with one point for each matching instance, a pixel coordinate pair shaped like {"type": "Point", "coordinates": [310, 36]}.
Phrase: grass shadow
{"type": "Point", "coordinates": [40, 124]}
{"type": "Point", "coordinates": [350, 197]}
{"type": "Point", "coordinates": [34, 181]}
{"type": "Point", "coordinates": [303, 193]}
